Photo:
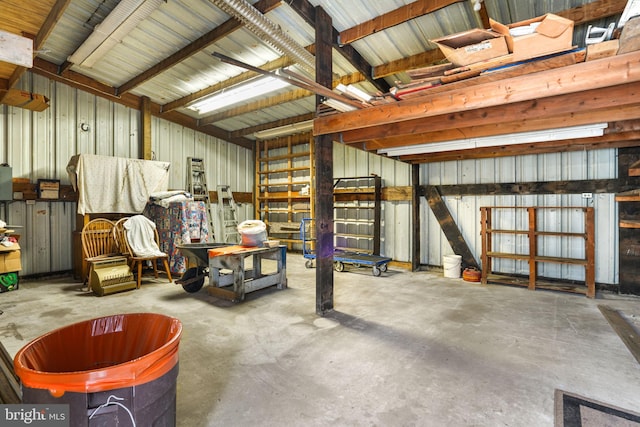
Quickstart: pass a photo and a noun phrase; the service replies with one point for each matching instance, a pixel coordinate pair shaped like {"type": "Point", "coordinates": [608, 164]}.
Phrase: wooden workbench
{"type": "Point", "coordinates": [245, 277]}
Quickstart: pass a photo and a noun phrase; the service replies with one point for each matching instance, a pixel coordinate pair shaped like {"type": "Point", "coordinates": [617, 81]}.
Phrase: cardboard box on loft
{"type": "Point", "coordinates": [536, 37]}
{"type": "Point", "coordinates": [469, 47]}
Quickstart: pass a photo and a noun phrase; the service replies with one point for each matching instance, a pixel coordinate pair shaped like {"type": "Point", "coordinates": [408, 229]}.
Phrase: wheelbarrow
{"type": "Point", "coordinates": [198, 254]}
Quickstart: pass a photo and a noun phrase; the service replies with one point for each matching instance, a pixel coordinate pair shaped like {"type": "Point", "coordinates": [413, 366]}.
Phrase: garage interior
{"type": "Point", "coordinates": [376, 142]}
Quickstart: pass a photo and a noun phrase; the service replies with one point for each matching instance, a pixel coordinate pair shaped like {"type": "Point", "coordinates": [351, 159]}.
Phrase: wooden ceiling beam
{"type": "Point", "coordinates": [579, 77]}
{"type": "Point", "coordinates": [79, 81]}
{"type": "Point", "coordinates": [595, 10]}
{"type": "Point", "coordinates": [270, 102]}
{"type": "Point", "coordinates": [258, 105]}
{"type": "Point", "coordinates": [202, 42]}
{"type": "Point", "coordinates": [307, 11]}
{"type": "Point", "coordinates": [391, 19]}
{"type": "Point", "coordinates": [422, 59]}
{"type": "Point", "coordinates": [627, 139]}
{"type": "Point", "coordinates": [281, 62]}
{"type": "Point", "coordinates": [615, 96]}
{"type": "Point", "coordinates": [611, 114]}
{"type": "Point", "coordinates": [274, 124]}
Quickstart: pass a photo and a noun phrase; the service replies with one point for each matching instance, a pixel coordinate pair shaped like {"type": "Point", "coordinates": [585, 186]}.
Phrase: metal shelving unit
{"type": "Point", "coordinates": [357, 214]}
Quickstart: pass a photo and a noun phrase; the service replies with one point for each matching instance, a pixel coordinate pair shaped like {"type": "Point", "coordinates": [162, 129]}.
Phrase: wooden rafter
{"type": "Point", "coordinates": [274, 124]}
{"type": "Point", "coordinates": [256, 106]}
{"type": "Point", "coordinates": [592, 11]}
{"type": "Point", "coordinates": [272, 101]}
{"type": "Point", "coordinates": [211, 37]}
{"type": "Point", "coordinates": [308, 13]}
{"type": "Point", "coordinates": [422, 59]}
{"type": "Point", "coordinates": [247, 75]}
{"type": "Point", "coordinates": [392, 18]}
{"type": "Point", "coordinates": [79, 81]}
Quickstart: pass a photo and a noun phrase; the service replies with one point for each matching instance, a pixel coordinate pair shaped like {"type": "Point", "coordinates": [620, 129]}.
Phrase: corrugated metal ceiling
{"type": "Point", "coordinates": [176, 24]}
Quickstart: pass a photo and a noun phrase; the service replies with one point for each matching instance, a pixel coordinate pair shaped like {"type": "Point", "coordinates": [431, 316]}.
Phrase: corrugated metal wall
{"type": "Point", "coordinates": [38, 145]}
{"type": "Point", "coordinates": [465, 210]}
{"type": "Point", "coordinates": [396, 216]}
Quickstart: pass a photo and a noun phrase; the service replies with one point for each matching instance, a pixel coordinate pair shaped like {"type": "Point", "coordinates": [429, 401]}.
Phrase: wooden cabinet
{"type": "Point", "coordinates": [533, 251]}
{"type": "Point", "coordinates": [284, 185]}
{"type": "Point", "coordinates": [357, 214]}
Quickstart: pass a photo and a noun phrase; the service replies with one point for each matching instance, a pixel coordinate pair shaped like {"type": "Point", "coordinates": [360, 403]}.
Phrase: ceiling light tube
{"type": "Point", "coordinates": [285, 130]}
{"type": "Point", "coordinates": [337, 105]}
{"type": "Point", "coordinates": [239, 93]}
{"type": "Point", "coordinates": [122, 19]}
{"type": "Point", "coordinates": [573, 132]}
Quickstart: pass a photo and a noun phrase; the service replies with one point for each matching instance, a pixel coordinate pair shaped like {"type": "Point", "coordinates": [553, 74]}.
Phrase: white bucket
{"type": "Point", "coordinates": [452, 265]}
{"type": "Point", "coordinates": [253, 232]}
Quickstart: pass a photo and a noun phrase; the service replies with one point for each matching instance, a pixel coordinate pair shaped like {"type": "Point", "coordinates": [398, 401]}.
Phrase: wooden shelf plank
{"type": "Point", "coordinates": [508, 255]}
{"type": "Point", "coordinates": [356, 236]}
{"type": "Point", "coordinates": [501, 279]}
{"type": "Point", "coordinates": [284, 156]}
{"type": "Point", "coordinates": [629, 223]}
{"type": "Point", "coordinates": [559, 260]}
{"type": "Point", "coordinates": [283, 170]}
{"type": "Point", "coordinates": [634, 169]}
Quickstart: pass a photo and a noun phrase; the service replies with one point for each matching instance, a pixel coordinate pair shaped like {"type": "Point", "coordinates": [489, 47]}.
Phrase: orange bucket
{"type": "Point", "coordinates": [106, 353]}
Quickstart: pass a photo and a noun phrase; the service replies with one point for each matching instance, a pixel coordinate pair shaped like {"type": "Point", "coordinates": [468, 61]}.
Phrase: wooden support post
{"type": "Point", "coordinates": [415, 216]}
{"type": "Point", "coordinates": [533, 248]}
{"type": "Point", "coordinates": [590, 255]}
{"type": "Point", "coordinates": [145, 135]}
{"type": "Point", "coordinates": [324, 173]}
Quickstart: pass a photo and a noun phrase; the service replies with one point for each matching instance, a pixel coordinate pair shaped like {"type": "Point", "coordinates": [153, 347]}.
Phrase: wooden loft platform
{"type": "Point", "coordinates": [597, 91]}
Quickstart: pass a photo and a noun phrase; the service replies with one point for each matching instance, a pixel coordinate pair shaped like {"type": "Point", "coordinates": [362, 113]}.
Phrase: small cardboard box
{"type": "Point", "coordinates": [548, 34]}
{"type": "Point", "coordinates": [10, 258]}
{"type": "Point", "coordinates": [27, 100]}
{"type": "Point", "coordinates": [469, 47]}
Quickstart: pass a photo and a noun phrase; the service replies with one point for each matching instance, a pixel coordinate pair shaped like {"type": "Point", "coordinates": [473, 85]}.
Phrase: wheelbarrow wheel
{"type": "Point", "coordinates": [196, 285]}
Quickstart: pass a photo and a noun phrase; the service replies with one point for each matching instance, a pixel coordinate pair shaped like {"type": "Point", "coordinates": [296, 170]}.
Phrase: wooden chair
{"type": "Point", "coordinates": [120, 239]}
{"type": "Point", "coordinates": [137, 262]}
{"type": "Point", "coordinates": [98, 243]}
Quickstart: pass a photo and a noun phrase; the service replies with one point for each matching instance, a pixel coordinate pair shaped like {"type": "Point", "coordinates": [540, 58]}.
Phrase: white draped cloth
{"type": "Point", "coordinates": [115, 184]}
{"type": "Point", "coordinates": [141, 236]}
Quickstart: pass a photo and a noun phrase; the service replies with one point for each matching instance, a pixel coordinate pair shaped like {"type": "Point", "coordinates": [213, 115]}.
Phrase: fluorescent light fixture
{"type": "Point", "coordinates": [122, 19]}
{"type": "Point", "coordinates": [239, 93]}
{"type": "Point", "coordinates": [354, 92]}
{"type": "Point", "coordinates": [585, 131]}
{"type": "Point", "coordinates": [337, 105]}
{"type": "Point", "coordinates": [285, 130]}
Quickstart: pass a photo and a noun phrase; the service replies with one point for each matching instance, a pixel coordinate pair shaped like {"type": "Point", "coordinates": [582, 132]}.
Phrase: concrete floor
{"type": "Point", "coordinates": [404, 349]}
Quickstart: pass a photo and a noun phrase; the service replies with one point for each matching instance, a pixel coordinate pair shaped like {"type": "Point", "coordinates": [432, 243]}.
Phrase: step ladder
{"type": "Point", "coordinates": [197, 186]}
{"type": "Point", "coordinates": [227, 211]}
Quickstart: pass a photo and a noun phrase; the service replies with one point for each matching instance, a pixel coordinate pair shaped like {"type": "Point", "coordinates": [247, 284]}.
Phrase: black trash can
{"type": "Point", "coordinates": [118, 370]}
